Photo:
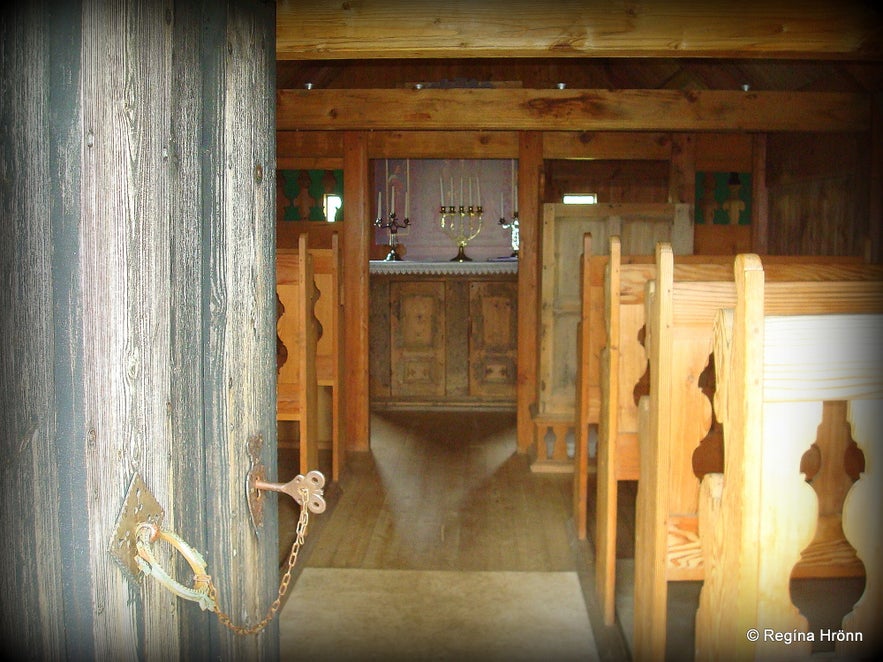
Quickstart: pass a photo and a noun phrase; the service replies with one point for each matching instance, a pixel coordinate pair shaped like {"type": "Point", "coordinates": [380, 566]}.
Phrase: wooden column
{"type": "Point", "coordinates": [530, 176]}
{"type": "Point", "coordinates": [682, 177]}
{"type": "Point", "coordinates": [760, 208]}
{"type": "Point", "coordinates": [357, 236]}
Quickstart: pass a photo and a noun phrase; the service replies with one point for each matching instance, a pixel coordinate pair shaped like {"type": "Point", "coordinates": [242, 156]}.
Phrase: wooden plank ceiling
{"type": "Point", "coordinates": [768, 45]}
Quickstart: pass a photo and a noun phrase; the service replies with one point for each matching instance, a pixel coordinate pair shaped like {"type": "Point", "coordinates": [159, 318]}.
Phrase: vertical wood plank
{"type": "Point", "coordinates": [608, 431]}
{"type": "Point", "coordinates": [188, 264]}
{"type": "Point", "coordinates": [240, 328]}
{"type": "Point", "coordinates": [125, 283]}
{"type": "Point", "coordinates": [875, 206]}
{"type": "Point", "coordinates": [682, 178]}
{"type": "Point", "coordinates": [33, 620]}
{"type": "Point", "coordinates": [587, 365]}
{"type": "Point", "coordinates": [356, 242]}
{"type": "Point", "coordinates": [530, 183]}
{"type": "Point", "coordinates": [654, 438]}
{"type": "Point", "coordinates": [760, 212]}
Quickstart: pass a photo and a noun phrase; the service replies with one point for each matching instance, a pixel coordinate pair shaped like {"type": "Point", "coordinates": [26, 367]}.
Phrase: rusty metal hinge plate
{"type": "Point", "coordinates": [140, 506]}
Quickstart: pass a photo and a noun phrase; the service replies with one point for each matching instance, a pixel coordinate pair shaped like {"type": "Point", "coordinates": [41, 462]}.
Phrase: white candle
{"type": "Point", "coordinates": [379, 208]}
{"type": "Point", "coordinates": [393, 203]}
{"type": "Point", "coordinates": [407, 204]}
{"type": "Point", "coordinates": [478, 187]}
{"type": "Point", "coordinates": [441, 190]}
{"type": "Point", "coordinates": [470, 192]}
{"type": "Point", "coordinates": [514, 203]}
{"type": "Point", "coordinates": [502, 215]}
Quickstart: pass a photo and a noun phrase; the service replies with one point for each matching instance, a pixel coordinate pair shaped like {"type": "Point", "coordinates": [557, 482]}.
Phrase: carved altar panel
{"type": "Point", "coordinates": [417, 329]}
{"type": "Point", "coordinates": [493, 343]}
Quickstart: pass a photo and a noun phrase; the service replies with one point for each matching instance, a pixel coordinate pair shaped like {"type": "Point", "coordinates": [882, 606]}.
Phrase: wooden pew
{"type": "Point", "coordinates": [778, 357]}
{"type": "Point", "coordinates": [613, 318]}
{"type": "Point", "coordinates": [677, 415]}
{"type": "Point", "coordinates": [640, 225]}
{"type": "Point", "coordinates": [328, 308]}
{"type": "Point", "coordinates": [297, 384]}
{"type": "Point", "coordinates": [324, 264]}
{"type": "Point", "coordinates": [591, 337]}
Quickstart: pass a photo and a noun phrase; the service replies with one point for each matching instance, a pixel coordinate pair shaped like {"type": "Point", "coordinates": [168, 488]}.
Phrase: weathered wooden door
{"type": "Point", "coordinates": [136, 223]}
{"type": "Point", "coordinates": [417, 332]}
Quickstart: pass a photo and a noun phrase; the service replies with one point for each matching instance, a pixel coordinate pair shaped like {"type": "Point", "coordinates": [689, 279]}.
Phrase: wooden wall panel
{"type": "Point", "coordinates": [818, 194]}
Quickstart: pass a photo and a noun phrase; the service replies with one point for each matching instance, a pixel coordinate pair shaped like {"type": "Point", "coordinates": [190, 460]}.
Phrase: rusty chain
{"type": "Point", "coordinates": [300, 534]}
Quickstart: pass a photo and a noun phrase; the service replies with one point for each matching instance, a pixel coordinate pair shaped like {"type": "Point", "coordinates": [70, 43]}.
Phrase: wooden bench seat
{"type": "Point", "coordinates": [623, 372]}
{"type": "Point", "coordinates": [313, 350]}
{"type": "Point", "coordinates": [778, 360]}
{"type": "Point", "coordinates": [676, 416]}
{"type": "Point", "coordinates": [296, 383]}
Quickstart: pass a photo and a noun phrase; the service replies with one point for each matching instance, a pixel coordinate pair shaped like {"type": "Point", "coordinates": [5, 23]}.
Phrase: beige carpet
{"type": "Point", "coordinates": [343, 614]}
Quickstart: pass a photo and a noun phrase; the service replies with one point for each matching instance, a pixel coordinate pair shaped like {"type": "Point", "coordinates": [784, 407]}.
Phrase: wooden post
{"type": "Point", "coordinates": [530, 171]}
{"type": "Point", "coordinates": [682, 178]}
{"type": "Point", "coordinates": [760, 208]}
{"type": "Point", "coordinates": [355, 283]}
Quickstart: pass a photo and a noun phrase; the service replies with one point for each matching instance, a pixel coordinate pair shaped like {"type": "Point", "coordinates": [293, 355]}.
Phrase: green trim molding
{"type": "Point", "coordinates": [299, 193]}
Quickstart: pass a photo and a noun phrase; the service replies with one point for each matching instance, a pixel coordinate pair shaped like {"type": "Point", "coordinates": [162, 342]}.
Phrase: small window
{"type": "Point", "coordinates": [332, 204]}
{"type": "Point", "coordinates": [580, 198]}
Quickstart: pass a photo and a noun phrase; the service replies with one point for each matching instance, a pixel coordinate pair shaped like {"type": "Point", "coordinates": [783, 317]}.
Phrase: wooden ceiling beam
{"type": "Point", "coordinates": [323, 149]}
{"type": "Point", "coordinates": [571, 110]}
{"type": "Point", "coordinates": [353, 29]}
